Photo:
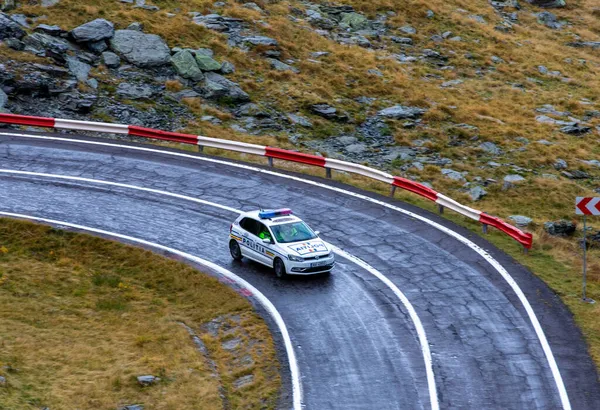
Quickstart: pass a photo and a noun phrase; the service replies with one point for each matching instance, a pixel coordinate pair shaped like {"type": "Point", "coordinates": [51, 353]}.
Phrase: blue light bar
{"type": "Point", "coordinates": [273, 213]}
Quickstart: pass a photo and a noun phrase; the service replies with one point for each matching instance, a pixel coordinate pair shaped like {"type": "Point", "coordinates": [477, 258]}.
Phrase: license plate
{"type": "Point", "coordinates": [317, 264]}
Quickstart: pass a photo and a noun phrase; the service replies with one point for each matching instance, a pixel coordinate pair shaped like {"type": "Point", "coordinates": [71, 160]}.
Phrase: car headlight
{"type": "Point", "coordinates": [295, 258]}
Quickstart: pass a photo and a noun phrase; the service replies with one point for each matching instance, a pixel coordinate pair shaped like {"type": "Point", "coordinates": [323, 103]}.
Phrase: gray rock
{"type": "Point", "coordinates": [497, 60]}
{"type": "Point", "coordinates": [243, 381]}
{"type": "Point", "coordinates": [8, 28]}
{"type": "Point", "coordinates": [216, 87]}
{"type": "Point", "coordinates": [252, 6]}
{"type": "Point", "coordinates": [560, 228]}
{"type": "Point", "coordinates": [356, 148]}
{"type": "Point", "coordinates": [142, 50]}
{"type": "Point", "coordinates": [47, 45]}
{"type": "Point", "coordinates": [231, 344]}
{"type": "Point", "coordinates": [132, 406]}
{"type": "Point", "coordinates": [400, 112]}
{"type": "Point", "coordinates": [549, 109]}
{"type": "Point", "coordinates": [186, 66]}
{"type": "Point", "coordinates": [560, 164]}
{"type": "Point", "coordinates": [575, 129]}
{"type": "Point", "coordinates": [430, 14]}
{"type": "Point", "coordinates": [408, 29]}
{"type": "Point", "coordinates": [134, 91]}
{"type": "Point", "coordinates": [374, 71]}
{"type": "Point", "coordinates": [477, 18]}
{"type": "Point", "coordinates": [477, 193]}
{"type": "Point", "coordinates": [260, 41]}
{"type": "Point", "coordinates": [147, 380]}
{"type": "Point", "coordinates": [78, 102]}
{"type": "Point", "coordinates": [300, 120]}
{"type": "Point", "coordinates": [520, 220]}
{"type": "Point", "coordinates": [354, 20]}
{"type": "Point", "coordinates": [593, 162]}
{"type": "Point", "coordinates": [15, 44]}
{"type": "Point", "coordinates": [3, 99]}
{"type": "Point", "coordinates": [49, 3]}
{"type": "Point", "coordinates": [97, 30]}
{"type": "Point", "coordinates": [402, 40]}
{"type": "Point", "coordinates": [79, 69]}
{"type": "Point", "coordinates": [227, 68]}
{"type": "Point", "coordinates": [580, 44]}
{"type": "Point", "coordinates": [50, 30]}
{"type": "Point", "coordinates": [136, 26]}
{"type": "Point", "coordinates": [490, 148]}
{"type": "Point", "coordinates": [329, 112]}
{"type": "Point", "coordinates": [454, 175]}
{"type": "Point", "coordinates": [575, 174]}
{"type": "Point", "coordinates": [110, 59]}
{"type": "Point", "coordinates": [548, 4]}
{"type": "Point", "coordinates": [513, 178]}
{"type": "Point", "coordinates": [97, 46]}
{"type": "Point", "coordinates": [206, 63]}
{"type": "Point", "coordinates": [279, 66]}
{"type": "Point", "coordinates": [451, 83]}
{"type": "Point", "coordinates": [8, 5]}
{"type": "Point", "coordinates": [204, 51]}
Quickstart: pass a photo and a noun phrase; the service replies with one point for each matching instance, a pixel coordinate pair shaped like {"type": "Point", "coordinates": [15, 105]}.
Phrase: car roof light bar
{"type": "Point", "coordinates": [273, 213]}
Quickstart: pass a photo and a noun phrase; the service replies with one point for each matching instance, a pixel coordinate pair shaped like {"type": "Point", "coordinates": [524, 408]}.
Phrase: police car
{"type": "Point", "coordinates": [280, 240]}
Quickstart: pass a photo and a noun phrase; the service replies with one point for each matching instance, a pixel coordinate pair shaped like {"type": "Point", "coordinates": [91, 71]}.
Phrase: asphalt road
{"type": "Point", "coordinates": [356, 346]}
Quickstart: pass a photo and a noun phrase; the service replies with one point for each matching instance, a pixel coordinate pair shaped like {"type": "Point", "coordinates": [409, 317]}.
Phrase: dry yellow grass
{"type": "Point", "coordinates": [81, 317]}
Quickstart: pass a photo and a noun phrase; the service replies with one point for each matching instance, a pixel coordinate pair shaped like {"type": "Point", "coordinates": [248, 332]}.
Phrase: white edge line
{"type": "Point", "coordinates": [562, 391]}
{"type": "Point", "coordinates": [409, 307]}
{"type": "Point", "coordinates": [266, 303]}
{"type": "Point", "coordinates": [413, 315]}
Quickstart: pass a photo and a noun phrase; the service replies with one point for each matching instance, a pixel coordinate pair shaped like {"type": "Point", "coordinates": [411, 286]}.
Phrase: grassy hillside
{"type": "Point", "coordinates": [83, 317]}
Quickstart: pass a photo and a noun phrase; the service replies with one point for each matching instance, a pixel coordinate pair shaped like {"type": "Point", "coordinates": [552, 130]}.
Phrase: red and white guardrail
{"type": "Point", "coordinates": [524, 238]}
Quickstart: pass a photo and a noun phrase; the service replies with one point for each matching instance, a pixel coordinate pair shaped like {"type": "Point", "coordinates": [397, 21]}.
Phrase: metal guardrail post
{"type": "Point", "coordinates": [485, 228]}
{"type": "Point", "coordinates": [200, 148]}
{"type": "Point", "coordinates": [441, 209]}
{"type": "Point", "coordinates": [525, 250]}
{"type": "Point", "coordinates": [270, 161]}
{"type": "Point", "coordinates": [328, 173]}
{"type": "Point", "coordinates": [393, 191]}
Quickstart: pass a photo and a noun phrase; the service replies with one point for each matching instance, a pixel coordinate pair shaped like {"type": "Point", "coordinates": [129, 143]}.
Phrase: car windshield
{"type": "Point", "coordinates": [292, 232]}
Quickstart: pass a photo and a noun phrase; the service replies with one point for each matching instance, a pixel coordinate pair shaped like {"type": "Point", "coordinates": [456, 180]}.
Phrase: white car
{"type": "Point", "coordinates": [279, 240]}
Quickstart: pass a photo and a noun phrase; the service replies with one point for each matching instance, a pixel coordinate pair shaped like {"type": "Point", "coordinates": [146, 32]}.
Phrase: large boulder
{"type": "Point", "coordinates": [46, 45]}
{"type": "Point", "coordinates": [207, 63]}
{"type": "Point", "coordinates": [548, 4]}
{"type": "Point", "coordinates": [142, 50]}
{"type": "Point", "coordinates": [219, 87]}
{"type": "Point", "coordinates": [78, 69]}
{"type": "Point", "coordinates": [8, 28]}
{"type": "Point", "coordinates": [96, 30]}
{"type": "Point", "coordinates": [186, 66]}
{"type": "Point", "coordinates": [560, 228]}
{"type": "Point", "coordinates": [354, 20]}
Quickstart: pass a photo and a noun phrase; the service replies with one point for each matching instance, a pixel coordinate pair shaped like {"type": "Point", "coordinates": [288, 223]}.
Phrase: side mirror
{"type": "Point", "coordinates": [317, 233]}
{"type": "Point", "coordinates": [267, 241]}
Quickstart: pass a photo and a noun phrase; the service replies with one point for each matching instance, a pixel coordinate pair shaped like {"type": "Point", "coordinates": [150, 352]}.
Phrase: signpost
{"type": "Point", "coordinates": [586, 206]}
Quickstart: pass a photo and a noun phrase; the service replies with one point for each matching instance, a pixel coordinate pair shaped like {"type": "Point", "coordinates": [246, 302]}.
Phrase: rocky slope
{"type": "Point", "coordinates": [487, 100]}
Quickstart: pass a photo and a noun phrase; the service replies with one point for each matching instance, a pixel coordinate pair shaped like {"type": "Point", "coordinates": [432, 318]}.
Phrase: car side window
{"type": "Point", "coordinates": [263, 231]}
{"type": "Point", "coordinates": [249, 225]}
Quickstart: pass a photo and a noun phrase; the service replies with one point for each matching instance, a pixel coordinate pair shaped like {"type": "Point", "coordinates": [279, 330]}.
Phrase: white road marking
{"type": "Point", "coordinates": [409, 307]}
{"type": "Point", "coordinates": [262, 299]}
{"type": "Point", "coordinates": [560, 386]}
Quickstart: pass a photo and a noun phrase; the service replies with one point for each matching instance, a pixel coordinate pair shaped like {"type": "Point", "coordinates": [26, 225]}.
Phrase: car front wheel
{"type": "Point", "coordinates": [234, 249]}
{"type": "Point", "coordinates": [279, 267]}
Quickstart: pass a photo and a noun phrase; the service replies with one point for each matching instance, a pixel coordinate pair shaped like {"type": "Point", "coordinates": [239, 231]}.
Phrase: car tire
{"type": "Point", "coordinates": [279, 268]}
{"type": "Point", "coordinates": [234, 249]}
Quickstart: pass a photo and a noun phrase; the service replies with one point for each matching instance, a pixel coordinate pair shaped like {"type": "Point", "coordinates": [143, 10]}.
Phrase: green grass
{"type": "Point", "coordinates": [82, 317]}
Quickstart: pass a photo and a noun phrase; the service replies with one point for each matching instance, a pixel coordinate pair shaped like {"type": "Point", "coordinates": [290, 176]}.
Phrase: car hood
{"type": "Point", "coordinates": [313, 246]}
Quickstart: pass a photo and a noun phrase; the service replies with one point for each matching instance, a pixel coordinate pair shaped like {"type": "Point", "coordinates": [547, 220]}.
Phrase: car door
{"type": "Point", "coordinates": [264, 250]}
{"type": "Point", "coordinates": [249, 238]}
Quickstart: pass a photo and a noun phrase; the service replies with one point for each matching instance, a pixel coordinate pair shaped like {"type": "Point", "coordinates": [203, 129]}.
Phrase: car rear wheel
{"type": "Point", "coordinates": [279, 267]}
{"type": "Point", "coordinates": [234, 249]}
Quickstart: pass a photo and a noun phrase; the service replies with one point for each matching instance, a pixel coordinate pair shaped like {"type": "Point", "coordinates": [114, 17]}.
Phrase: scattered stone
{"type": "Point", "coordinates": [560, 164]}
{"type": "Point", "coordinates": [374, 71]}
{"type": "Point", "coordinates": [78, 102]}
{"type": "Point", "coordinates": [402, 40]}
{"type": "Point", "coordinates": [454, 175]}
{"type": "Point", "coordinates": [279, 66]}
{"type": "Point", "coordinates": [134, 92]}
{"type": "Point", "coordinates": [142, 50]}
{"type": "Point", "coordinates": [356, 148]}
{"type": "Point", "coordinates": [477, 18]}
{"type": "Point", "coordinates": [593, 162]}
{"type": "Point", "coordinates": [97, 30]}
{"type": "Point", "coordinates": [324, 110]}
{"type": "Point", "coordinates": [520, 220]}
{"type": "Point", "coordinates": [227, 68]}
{"type": "Point", "coordinates": [354, 21]}
{"type": "Point", "coordinates": [216, 87]}
{"type": "Point", "coordinates": [580, 44]}
{"type": "Point", "coordinates": [50, 30]}
{"type": "Point", "coordinates": [451, 83]}
{"type": "Point", "coordinates": [15, 44]}
{"type": "Point", "coordinates": [575, 174]}
{"type": "Point", "coordinates": [252, 6]}
{"type": "Point", "coordinates": [231, 344]}
{"type": "Point", "coordinates": [79, 69]}
{"type": "Point", "coordinates": [400, 112]}
{"type": "Point", "coordinates": [548, 4]}
{"type": "Point", "coordinates": [243, 381]}
{"type": "Point", "coordinates": [49, 3]}
{"type": "Point", "coordinates": [206, 63]}
{"type": "Point", "coordinates": [260, 41]}
{"type": "Point", "coordinates": [136, 26]}
{"type": "Point", "coordinates": [132, 406]}
{"type": "Point", "coordinates": [147, 380]}
{"type": "Point", "coordinates": [8, 28]}
{"type": "Point", "coordinates": [575, 129]}
{"type": "Point", "coordinates": [43, 44]}
{"type": "Point", "coordinates": [408, 30]}
{"type": "Point", "coordinates": [300, 120]}
{"type": "Point", "coordinates": [2, 381]}
{"type": "Point", "coordinates": [550, 20]}
{"type": "Point", "coordinates": [186, 66]}
{"type": "Point", "coordinates": [110, 59]}
{"type": "Point", "coordinates": [560, 228]}
{"type": "Point", "coordinates": [97, 46]}
{"type": "Point", "coordinates": [477, 193]}
{"type": "Point", "coordinates": [3, 99]}
{"type": "Point", "coordinates": [497, 60]}
{"type": "Point", "coordinates": [430, 14]}
{"type": "Point", "coordinates": [490, 148]}
{"type": "Point", "coordinates": [513, 178]}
